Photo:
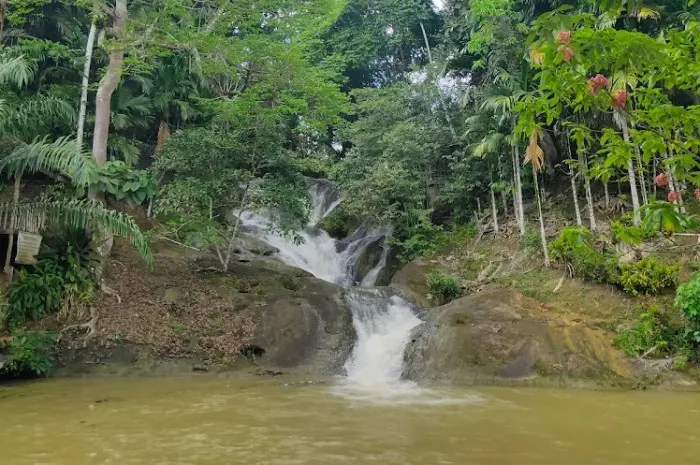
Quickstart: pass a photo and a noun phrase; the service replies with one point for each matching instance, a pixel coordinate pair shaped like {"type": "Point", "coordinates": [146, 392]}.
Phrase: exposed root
{"type": "Point", "coordinates": [559, 285]}
{"type": "Point", "coordinates": [90, 327]}
{"type": "Point", "coordinates": [109, 291]}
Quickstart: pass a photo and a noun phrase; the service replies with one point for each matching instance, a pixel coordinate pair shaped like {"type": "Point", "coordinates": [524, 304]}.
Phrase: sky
{"type": "Point", "coordinates": [439, 4]}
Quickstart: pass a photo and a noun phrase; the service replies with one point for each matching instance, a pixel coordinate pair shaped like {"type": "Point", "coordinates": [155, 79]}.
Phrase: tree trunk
{"type": "Point", "coordinates": [631, 172]}
{"type": "Point", "coordinates": [653, 178]}
{"type": "Point", "coordinates": [494, 211]}
{"type": "Point", "coordinates": [589, 194]}
{"type": "Point", "coordinates": [163, 136]}
{"type": "Point", "coordinates": [642, 181]}
{"type": "Point", "coordinates": [589, 201]}
{"type": "Point", "coordinates": [108, 85]}
{"type": "Point", "coordinates": [504, 201]}
{"type": "Point", "coordinates": [607, 195]}
{"type": "Point", "coordinates": [226, 259]}
{"type": "Point", "coordinates": [9, 269]}
{"type": "Point", "coordinates": [674, 186]}
{"type": "Point", "coordinates": [543, 234]}
{"type": "Point", "coordinates": [478, 206]}
{"type": "Point", "coordinates": [520, 213]}
{"type": "Point", "coordinates": [579, 221]}
{"type": "Point", "coordinates": [106, 88]}
{"type": "Point", "coordinates": [86, 81]}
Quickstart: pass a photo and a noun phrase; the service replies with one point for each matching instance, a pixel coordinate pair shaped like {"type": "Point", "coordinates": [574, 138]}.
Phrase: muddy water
{"type": "Point", "coordinates": [152, 422]}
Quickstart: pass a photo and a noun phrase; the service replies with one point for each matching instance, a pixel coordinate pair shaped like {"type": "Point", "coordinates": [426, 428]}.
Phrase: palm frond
{"type": "Point", "coordinates": [491, 143]}
{"type": "Point", "coordinates": [79, 214]}
{"type": "Point", "coordinates": [534, 155]}
{"type": "Point", "coordinates": [60, 156]}
{"type": "Point", "coordinates": [17, 71]}
{"type": "Point", "coordinates": [498, 103]}
{"type": "Point", "coordinates": [40, 111]}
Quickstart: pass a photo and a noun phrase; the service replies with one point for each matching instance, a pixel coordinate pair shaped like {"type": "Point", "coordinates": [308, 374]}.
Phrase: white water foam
{"type": "Point", "coordinates": [316, 251]}
{"type": "Point", "coordinates": [383, 322]}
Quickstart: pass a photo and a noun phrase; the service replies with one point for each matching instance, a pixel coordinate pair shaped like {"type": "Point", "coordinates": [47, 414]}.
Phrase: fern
{"type": "Point", "coordinates": [17, 71]}
{"type": "Point", "coordinates": [60, 156]}
{"type": "Point", "coordinates": [40, 111]}
{"type": "Point", "coordinates": [80, 214]}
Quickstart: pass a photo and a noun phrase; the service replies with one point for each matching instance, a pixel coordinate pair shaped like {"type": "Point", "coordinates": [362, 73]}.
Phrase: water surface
{"type": "Point", "coordinates": [217, 422]}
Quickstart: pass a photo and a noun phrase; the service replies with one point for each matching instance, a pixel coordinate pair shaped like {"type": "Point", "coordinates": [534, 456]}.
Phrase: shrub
{"type": "Point", "coordinates": [339, 223]}
{"type": "Point", "coordinates": [59, 281]}
{"type": "Point", "coordinates": [443, 288]}
{"type": "Point", "coordinates": [653, 330]}
{"type": "Point", "coordinates": [688, 301]}
{"type": "Point", "coordinates": [531, 241]}
{"type": "Point", "coordinates": [418, 239]}
{"type": "Point", "coordinates": [35, 293]}
{"type": "Point", "coordinates": [31, 352]}
{"type": "Point", "coordinates": [575, 247]}
{"type": "Point", "coordinates": [647, 276]}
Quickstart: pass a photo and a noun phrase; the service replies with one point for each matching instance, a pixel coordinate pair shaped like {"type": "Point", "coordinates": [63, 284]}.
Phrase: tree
{"type": "Point", "coordinates": [534, 156]}
{"type": "Point", "coordinates": [378, 41]}
{"type": "Point", "coordinates": [61, 156]}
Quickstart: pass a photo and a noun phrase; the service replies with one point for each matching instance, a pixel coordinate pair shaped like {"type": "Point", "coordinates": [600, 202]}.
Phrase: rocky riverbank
{"type": "Point", "coordinates": [263, 317]}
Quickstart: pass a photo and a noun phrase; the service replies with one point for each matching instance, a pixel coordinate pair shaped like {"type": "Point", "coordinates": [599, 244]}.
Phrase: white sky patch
{"type": "Point", "coordinates": [438, 5]}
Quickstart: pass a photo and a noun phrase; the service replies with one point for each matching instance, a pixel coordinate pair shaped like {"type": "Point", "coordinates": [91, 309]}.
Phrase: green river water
{"type": "Point", "coordinates": [217, 422]}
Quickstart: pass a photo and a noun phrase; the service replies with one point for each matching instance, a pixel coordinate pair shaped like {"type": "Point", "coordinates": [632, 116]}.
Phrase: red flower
{"type": "Point", "coordinates": [564, 36]}
{"type": "Point", "coordinates": [674, 196]}
{"type": "Point", "coordinates": [601, 80]}
{"type": "Point", "coordinates": [697, 193]}
{"type": "Point", "coordinates": [596, 83]}
{"type": "Point", "coordinates": [662, 180]}
{"type": "Point", "coordinates": [568, 54]}
{"type": "Point", "coordinates": [593, 87]}
{"type": "Point", "coordinates": [619, 99]}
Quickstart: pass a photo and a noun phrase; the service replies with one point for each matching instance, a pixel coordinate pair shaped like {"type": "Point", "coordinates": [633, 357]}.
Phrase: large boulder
{"type": "Point", "coordinates": [411, 280]}
{"type": "Point", "coordinates": [307, 331]}
{"type": "Point", "coordinates": [499, 336]}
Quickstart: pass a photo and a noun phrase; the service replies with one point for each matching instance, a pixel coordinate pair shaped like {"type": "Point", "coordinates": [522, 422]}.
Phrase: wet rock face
{"type": "Point", "coordinates": [368, 259]}
{"type": "Point", "coordinates": [499, 335]}
{"type": "Point", "coordinates": [307, 331]}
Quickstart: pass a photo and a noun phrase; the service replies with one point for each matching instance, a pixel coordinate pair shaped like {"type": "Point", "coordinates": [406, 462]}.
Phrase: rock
{"type": "Point", "coordinates": [411, 280]}
{"type": "Point", "coordinates": [249, 245]}
{"type": "Point", "coordinates": [311, 332]}
{"type": "Point", "coordinates": [500, 335]}
{"type": "Point", "coordinates": [368, 259]}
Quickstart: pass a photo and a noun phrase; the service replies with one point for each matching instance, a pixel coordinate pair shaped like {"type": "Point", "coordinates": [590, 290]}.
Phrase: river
{"type": "Point", "coordinates": [225, 422]}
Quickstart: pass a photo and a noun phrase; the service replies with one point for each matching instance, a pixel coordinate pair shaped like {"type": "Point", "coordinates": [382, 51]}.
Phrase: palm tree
{"type": "Point", "coordinates": [534, 156]}
{"type": "Point", "coordinates": [22, 120]}
{"type": "Point", "coordinates": [175, 82]}
{"type": "Point", "coordinates": [500, 100]}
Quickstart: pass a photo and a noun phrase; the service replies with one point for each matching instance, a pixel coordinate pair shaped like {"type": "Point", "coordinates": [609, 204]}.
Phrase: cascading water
{"type": "Point", "coordinates": [383, 324]}
{"type": "Point", "coordinates": [316, 251]}
{"type": "Point", "coordinates": [382, 321]}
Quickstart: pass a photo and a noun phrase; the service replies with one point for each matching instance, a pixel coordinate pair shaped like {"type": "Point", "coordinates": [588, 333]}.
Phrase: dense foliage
{"type": "Point", "coordinates": [443, 119]}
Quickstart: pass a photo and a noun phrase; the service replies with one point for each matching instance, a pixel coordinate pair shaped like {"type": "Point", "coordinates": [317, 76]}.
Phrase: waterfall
{"type": "Point", "coordinates": [316, 251]}
{"type": "Point", "coordinates": [383, 322]}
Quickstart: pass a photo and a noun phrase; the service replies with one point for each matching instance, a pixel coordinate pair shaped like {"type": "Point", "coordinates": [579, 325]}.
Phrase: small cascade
{"type": "Point", "coordinates": [316, 251]}
{"type": "Point", "coordinates": [383, 324]}
{"type": "Point", "coordinates": [371, 278]}
{"type": "Point", "coordinates": [325, 197]}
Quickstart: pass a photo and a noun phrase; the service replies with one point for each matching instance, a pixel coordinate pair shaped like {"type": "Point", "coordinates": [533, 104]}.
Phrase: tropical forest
{"type": "Point", "coordinates": [386, 202]}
